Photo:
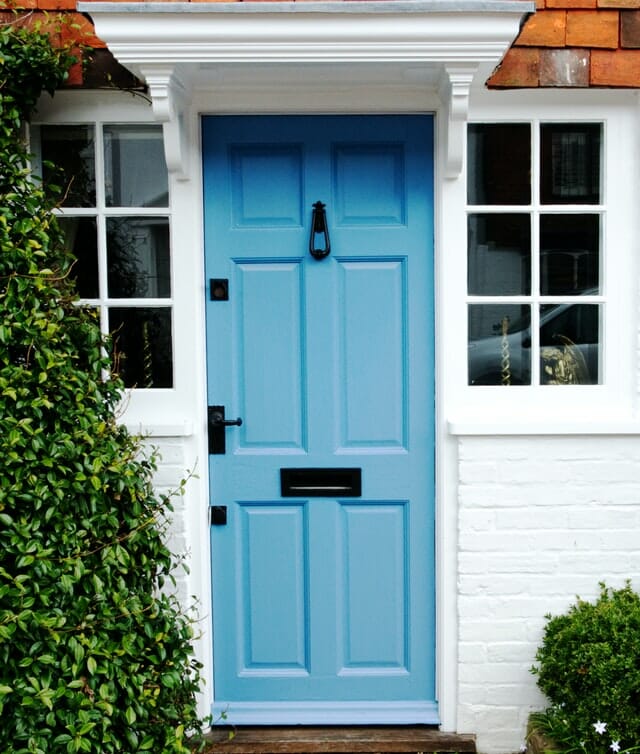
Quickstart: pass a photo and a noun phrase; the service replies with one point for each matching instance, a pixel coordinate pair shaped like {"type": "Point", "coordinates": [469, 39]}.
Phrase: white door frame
{"type": "Point", "coordinates": [335, 57]}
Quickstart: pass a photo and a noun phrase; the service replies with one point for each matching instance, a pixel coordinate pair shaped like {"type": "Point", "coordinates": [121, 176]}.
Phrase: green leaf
{"type": "Point", "coordinates": [82, 547]}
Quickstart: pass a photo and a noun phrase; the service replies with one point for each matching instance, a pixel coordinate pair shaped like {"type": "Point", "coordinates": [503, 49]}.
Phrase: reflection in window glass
{"type": "Point", "coordinates": [499, 254]}
{"type": "Point", "coordinates": [141, 339]}
{"type": "Point", "coordinates": [540, 260]}
{"type": "Point", "coordinates": [119, 259]}
{"type": "Point", "coordinates": [81, 238]}
{"type": "Point", "coordinates": [138, 257]}
{"type": "Point", "coordinates": [569, 254]}
{"type": "Point", "coordinates": [569, 338]}
{"type": "Point", "coordinates": [570, 165]}
{"type": "Point", "coordinates": [135, 167]}
{"type": "Point", "coordinates": [70, 149]}
{"type": "Point", "coordinates": [499, 344]}
{"type": "Point", "coordinates": [499, 160]}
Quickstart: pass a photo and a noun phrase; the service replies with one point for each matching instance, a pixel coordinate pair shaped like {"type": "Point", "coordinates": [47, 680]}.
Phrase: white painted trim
{"type": "Point", "coordinates": [172, 45]}
{"type": "Point", "coordinates": [613, 403]}
{"type": "Point", "coordinates": [525, 428]}
{"type": "Point", "coordinates": [321, 713]}
{"type": "Point", "coordinates": [149, 429]}
{"type": "Point", "coordinates": [315, 6]}
{"type": "Point", "coordinates": [169, 95]}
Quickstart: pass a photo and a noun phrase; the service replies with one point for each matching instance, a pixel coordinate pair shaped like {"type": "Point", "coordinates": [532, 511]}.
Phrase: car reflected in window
{"type": "Point", "coordinates": [568, 345]}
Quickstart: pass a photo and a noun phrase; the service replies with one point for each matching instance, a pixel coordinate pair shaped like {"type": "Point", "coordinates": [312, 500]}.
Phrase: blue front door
{"type": "Point", "coordinates": [323, 541]}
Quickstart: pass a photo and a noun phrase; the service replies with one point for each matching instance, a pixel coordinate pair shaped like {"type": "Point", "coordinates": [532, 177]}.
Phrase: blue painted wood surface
{"type": "Point", "coordinates": [330, 364]}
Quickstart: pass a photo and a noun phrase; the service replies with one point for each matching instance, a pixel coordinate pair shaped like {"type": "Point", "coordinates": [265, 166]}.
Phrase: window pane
{"type": "Point", "coordinates": [138, 257]}
{"type": "Point", "coordinates": [569, 338]}
{"type": "Point", "coordinates": [569, 254]}
{"type": "Point", "coordinates": [499, 255]}
{"type": "Point", "coordinates": [71, 149]}
{"type": "Point", "coordinates": [570, 171]}
{"type": "Point", "coordinates": [135, 168]}
{"type": "Point", "coordinates": [499, 344]}
{"type": "Point", "coordinates": [142, 346]}
{"type": "Point", "coordinates": [81, 236]}
{"type": "Point", "coordinates": [499, 163]}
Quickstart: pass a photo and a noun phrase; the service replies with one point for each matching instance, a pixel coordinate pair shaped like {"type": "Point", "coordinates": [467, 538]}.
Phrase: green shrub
{"type": "Point", "coordinates": [94, 656]}
{"type": "Point", "coordinates": [588, 666]}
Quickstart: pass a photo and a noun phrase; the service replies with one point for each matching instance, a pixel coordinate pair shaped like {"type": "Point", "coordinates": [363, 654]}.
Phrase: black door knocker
{"type": "Point", "coordinates": [319, 227]}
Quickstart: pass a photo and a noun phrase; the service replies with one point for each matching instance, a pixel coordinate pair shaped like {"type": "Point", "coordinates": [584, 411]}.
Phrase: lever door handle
{"type": "Point", "coordinates": [218, 420]}
{"type": "Point", "coordinates": [217, 425]}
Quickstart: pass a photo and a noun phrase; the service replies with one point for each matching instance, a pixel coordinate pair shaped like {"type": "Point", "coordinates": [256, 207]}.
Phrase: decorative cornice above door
{"type": "Point", "coordinates": [179, 48]}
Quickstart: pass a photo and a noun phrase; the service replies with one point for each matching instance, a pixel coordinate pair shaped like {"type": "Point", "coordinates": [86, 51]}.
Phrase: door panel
{"type": "Point", "coordinates": [372, 356]}
{"type": "Point", "coordinates": [270, 354]}
{"type": "Point", "coordinates": [374, 534]}
{"type": "Point", "coordinates": [273, 639]}
{"type": "Point", "coordinates": [322, 603]}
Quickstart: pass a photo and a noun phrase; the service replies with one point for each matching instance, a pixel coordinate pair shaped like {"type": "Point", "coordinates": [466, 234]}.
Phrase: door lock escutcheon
{"type": "Point", "coordinates": [217, 425]}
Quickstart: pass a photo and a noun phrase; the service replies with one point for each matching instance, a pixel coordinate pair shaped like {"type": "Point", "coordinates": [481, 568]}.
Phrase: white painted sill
{"type": "Point", "coordinates": [465, 426]}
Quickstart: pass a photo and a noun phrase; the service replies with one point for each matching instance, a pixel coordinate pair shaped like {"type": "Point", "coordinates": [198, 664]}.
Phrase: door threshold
{"type": "Point", "coordinates": [385, 739]}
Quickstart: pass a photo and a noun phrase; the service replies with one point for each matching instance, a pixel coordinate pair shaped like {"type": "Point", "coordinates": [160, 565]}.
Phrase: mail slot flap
{"type": "Point", "coordinates": [321, 482]}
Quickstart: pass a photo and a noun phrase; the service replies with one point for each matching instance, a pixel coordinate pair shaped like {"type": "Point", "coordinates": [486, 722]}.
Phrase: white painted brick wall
{"type": "Point", "coordinates": [541, 520]}
{"type": "Point", "coordinates": [172, 468]}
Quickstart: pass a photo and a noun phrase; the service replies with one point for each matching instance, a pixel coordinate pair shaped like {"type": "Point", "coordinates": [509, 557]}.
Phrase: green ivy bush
{"type": "Point", "coordinates": [588, 666]}
{"type": "Point", "coordinates": [94, 656]}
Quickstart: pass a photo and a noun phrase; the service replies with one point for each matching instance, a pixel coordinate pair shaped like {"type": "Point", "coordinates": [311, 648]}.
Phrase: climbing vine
{"type": "Point", "coordinates": [95, 655]}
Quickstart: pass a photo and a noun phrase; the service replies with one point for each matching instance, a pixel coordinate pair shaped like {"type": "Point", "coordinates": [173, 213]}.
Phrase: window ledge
{"type": "Point", "coordinates": [151, 429]}
{"type": "Point", "coordinates": [596, 426]}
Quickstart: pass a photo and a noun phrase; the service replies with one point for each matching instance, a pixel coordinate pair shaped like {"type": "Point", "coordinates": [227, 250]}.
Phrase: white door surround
{"type": "Point", "coordinates": [402, 56]}
{"type": "Point", "coordinates": [432, 46]}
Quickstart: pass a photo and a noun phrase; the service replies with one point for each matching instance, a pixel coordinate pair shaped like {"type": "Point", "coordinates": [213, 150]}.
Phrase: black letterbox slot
{"type": "Point", "coordinates": [321, 482]}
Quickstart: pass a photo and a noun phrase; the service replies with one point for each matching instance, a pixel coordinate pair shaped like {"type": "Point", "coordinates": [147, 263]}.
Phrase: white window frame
{"type": "Point", "coordinates": [547, 408]}
{"type": "Point", "coordinates": [98, 109]}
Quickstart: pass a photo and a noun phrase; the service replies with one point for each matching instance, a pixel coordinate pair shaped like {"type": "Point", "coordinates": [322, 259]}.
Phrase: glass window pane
{"type": "Point", "coordinates": [81, 236]}
{"type": "Point", "coordinates": [499, 255]}
{"type": "Point", "coordinates": [135, 167]}
{"type": "Point", "coordinates": [71, 150]}
{"type": "Point", "coordinates": [499, 163]}
{"type": "Point", "coordinates": [569, 254]}
{"type": "Point", "coordinates": [499, 344]}
{"type": "Point", "coordinates": [569, 339]}
{"type": "Point", "coordinates": [142, 346]}
{"type": "Point", "coordinates": [138, 257]}
{"type": "Point", "coordinates": [570, 170]}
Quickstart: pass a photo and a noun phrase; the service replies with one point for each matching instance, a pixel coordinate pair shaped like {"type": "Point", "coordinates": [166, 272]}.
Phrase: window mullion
{"type": "Point", "coordinates": [535, 252]}
{"type": "Point", "coordinates": [102, 230]}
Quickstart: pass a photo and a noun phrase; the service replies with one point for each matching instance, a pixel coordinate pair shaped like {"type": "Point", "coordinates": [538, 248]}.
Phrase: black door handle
{"type": "Point", "coordinates": [217, 425]}
{"type": "Point", "coordinates": [217, 420]}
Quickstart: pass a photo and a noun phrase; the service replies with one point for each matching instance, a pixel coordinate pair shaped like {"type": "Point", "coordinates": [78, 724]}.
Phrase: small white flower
{"type": "Point", "coordinates": [600, 727]}
{"type": "Point", "coordinates": [615, 746]}
{"type": "Point", "coordinates": [523, 749]}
